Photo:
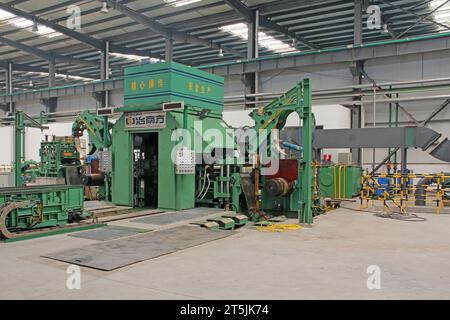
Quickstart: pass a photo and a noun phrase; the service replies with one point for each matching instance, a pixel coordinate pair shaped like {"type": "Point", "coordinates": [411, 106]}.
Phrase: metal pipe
{"type": "Point", "coordinates": [409, 99]}
{"type": "Point", "coordinates": [390, 126]}
{"type": "Point", "coordinates": [396, 124]}
{"type": "Point", "coordinates": [228, 178]}
{"type": "Point", "coordinates": [374, 122]}
{"type": "Point", "coordinates": [331, 95]}
{"type": "Point", "coordinates": [221, 176]}
{"type": "Point", "coordinates": [356, 86]}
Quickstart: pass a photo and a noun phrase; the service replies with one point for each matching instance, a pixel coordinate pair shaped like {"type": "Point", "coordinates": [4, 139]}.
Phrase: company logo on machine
{"type": "Point", "coordinates": [145, 120]}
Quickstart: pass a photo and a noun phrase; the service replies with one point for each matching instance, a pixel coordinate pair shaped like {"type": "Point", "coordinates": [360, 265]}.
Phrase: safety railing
{"type": "Point", "coordinates": [399, 190]}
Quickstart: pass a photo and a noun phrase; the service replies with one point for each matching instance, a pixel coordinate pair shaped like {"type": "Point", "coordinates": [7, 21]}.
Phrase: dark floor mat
{"type": "Point", "coordinates": [177, 216]}
{"type": "Point", "coordinates": [116, 254]}
{"type": "Point", "coordinates": [108, 233]}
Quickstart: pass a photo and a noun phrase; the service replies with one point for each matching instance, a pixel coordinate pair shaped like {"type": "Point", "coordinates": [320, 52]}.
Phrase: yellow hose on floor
{"type": "Point", "coordinates": [280, 227]}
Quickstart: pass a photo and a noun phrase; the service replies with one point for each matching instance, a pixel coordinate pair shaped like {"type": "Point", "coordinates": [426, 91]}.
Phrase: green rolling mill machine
{"type": "Point", "coordinates": [156, 166]}
{"type": "Point", "coordinates": [171, 149]}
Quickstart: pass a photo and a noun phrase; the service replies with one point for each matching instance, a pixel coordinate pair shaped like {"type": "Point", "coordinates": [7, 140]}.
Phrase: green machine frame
{"type": "Point", "coordinates": [274, 116]}
{"type": "Point", "coordinates": [147, 88]}
{"type": "Point", "coordinates": [32, 208]}
{"type": "Point", "coordinates": [22, 121]}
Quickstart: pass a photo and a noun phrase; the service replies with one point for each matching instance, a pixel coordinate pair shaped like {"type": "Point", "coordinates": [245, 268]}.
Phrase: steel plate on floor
{"type": "Point", "coordinates": [108, 233]}
{"type": "Point", "coordinates": [119, 253]}
{"type": "Point", "coordinates": [177, 216]}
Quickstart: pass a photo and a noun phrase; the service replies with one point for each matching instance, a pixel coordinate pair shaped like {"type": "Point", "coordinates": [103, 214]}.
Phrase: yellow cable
{"type": "Point", "coordinates": [280, 227]}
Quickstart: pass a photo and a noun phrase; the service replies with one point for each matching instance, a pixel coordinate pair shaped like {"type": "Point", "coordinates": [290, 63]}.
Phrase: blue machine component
{"type": "Point", "coordinates": [292, 146]}
{"type": "Point", "coordinates": [384, 186]}
{"type": "Point", "coordinates": [90, 158]}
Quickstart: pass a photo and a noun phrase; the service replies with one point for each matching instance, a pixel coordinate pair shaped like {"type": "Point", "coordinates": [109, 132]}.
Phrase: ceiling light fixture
{"type": "Point", "coordinates": [104, 8]}
{"type": "Point", "coordinates": [30, 25]}
{"type": "Point", "coordinates": [35, 27]}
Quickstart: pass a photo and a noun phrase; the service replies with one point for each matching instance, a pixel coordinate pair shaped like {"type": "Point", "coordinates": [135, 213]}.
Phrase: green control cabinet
{"type": "Point", "coordinates": [340, 181]}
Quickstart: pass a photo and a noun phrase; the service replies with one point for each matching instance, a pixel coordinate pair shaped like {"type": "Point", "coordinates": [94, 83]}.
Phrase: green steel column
{"type": "Point", "coordinates": [306, 177]}
{"type": "Point", "coordinates": [18, 145]}
{"type": "Point", "coordinates": [178, 177]}
{"type": "Point", "coordinates": [390, 124]}
{"type": "Point", "coordinates": [105, 130]}
{"type": "Point", "coordinates": [396, 124]}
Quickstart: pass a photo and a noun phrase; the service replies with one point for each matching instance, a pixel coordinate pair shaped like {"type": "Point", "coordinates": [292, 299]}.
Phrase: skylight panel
{"type": "Point", "coordinates": [134, 57]}
{"type": "Point", "coordinates": [264, 40]}
{"type": "Point", "coordinates": [179, 3]}
{"type": "Point", "coordinates": [442, 14]}
{"type": "Point", "coordinates": [27, 24]}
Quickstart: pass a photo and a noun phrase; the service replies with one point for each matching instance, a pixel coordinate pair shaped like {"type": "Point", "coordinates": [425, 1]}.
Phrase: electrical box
{"type": "Point", "coordinates": [185, 161]}
{"type": "Point", "coordinates": [105, 163]}
{"type": "Point", "coordinates": [345, 158]}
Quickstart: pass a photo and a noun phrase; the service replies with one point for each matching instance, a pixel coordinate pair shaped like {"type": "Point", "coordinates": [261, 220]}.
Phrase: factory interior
{"type": "Point", "coordinates": [224, 150]}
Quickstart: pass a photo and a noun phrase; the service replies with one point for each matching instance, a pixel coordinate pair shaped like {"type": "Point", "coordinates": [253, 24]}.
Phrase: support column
{"type": "Point", "coordinates": [357, 26]}
{"type": "Point", "coordinates": [51, 73]}
{"type": "Point", "coordinates": [51, 103]}
{"type": "Point", "coordinates": [169, 49]}
{"type": "Point", "coordinates": [404, 167]}
{"type": "Point", "coordinates": [9, 86]}
{"type": "Point", "coordinates": [356, 112]}
{"type": "Point", "coordinates": [357, 109]}
{"type": "Point", "coordinates": [104, 73]}
{"type": "Point", "coordinates": [251, 80]}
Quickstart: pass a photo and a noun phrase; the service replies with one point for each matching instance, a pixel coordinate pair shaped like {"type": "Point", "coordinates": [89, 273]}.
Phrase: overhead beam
{"type": "Point", "coordinates": [45, 55]}
{"type": "Point", "coordinates": [167, 32]}
{"type": "Point", "coordinates": [265, 22]}
{"type": "Point", "coordinates": [68, 90]}
{"type": "Point", "coordinates": [432, 43]}
{"type": "Point", "coordinates": [84, 38]}
{"type": "Point", "coordinates": [27, 68]}
{"type": "Point", "coordinates": [22, 67]}
{"type": "Point", "coordinates": [340, 55]}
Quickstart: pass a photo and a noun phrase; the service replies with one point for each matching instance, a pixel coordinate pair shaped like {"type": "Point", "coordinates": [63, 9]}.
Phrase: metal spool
{"type": "Point", "coordinates": [278, 187]}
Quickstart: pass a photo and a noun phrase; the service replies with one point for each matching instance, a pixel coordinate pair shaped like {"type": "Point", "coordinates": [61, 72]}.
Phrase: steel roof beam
{"type": "Point", "coordinates": [44, 55]}
{"type": "Point", "coordinates": [84, 38]}
{"type": "Point", "coordinates": [265, 22]}
{"type": "Point", "coordinates": [20, 67]}
{"type": "Point", "coordinates": [167, 32]}
{"type": "Point", "coordinates": [341, 55]}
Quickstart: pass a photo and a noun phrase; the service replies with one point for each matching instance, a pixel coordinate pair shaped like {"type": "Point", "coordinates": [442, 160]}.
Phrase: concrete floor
{"type": "Point", "coordinates": [327, 261]}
